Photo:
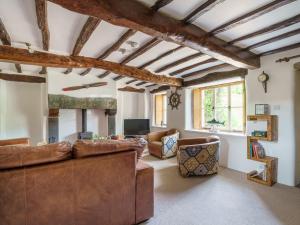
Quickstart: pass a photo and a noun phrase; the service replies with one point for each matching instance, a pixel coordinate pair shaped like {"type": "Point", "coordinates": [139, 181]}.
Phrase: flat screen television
{"type": "Point", "coordinates": [136, 126]}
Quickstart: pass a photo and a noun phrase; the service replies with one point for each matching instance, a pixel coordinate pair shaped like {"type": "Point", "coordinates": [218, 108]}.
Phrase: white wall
{"type": "Point", "coordinates": [281, 98]}
{"type": "Point", "coordinates": [22, 111]}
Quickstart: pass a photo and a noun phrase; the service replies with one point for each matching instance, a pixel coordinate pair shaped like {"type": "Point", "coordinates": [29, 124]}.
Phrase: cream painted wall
{"type": "Point", "coordinates": [281, 97]}
{"type": "Point", "coordinates": [22, 111]}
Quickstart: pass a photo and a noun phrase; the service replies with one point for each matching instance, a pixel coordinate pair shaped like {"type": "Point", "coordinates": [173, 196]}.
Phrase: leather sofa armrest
{"type": "Point", "coordinates": [15, 141]}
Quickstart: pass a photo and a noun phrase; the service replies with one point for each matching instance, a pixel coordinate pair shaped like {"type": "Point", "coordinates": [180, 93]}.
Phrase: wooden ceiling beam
{"type": "Point", "coordinates": [159, 89]}
{"type": "Point", "coordinates": [269, 29]}
{"type": "Point", "coordinates": [132, 89]}
{"type": "Point", "coordinates": [88, 28]}
{"type": "Point", "coordinates": [22, 78]}
{"type": "Point", "coordinates": [42, 20]}
{"type": "Point", "coordinates": [160, 3]}
{"type": "Point", "coordinates": [17, 55]}
{"type": "Point", "coordinates": [174, 73]}
{"type": "Point", "coordinates": [178, 62]}
{"type": "Point", "coordinates": [282, 49]}
{"type": "Point", "coordinates": [151, 85]}
{"type": "Point", "coordinates": [129, 33]}
{"type": "Point", "coordinates": [251, 15]}
{"type": "Point", "coordinates": [150, 44]}
{"type": "Point", "coordinates": [199, 72]}
{"type": "Point", "coordinates": [131, 81]}
{"type": "Point", "coordinates": [5, 38]}
{"type": "Point", "coordinates": [141, 83]}
{"type": "Point", "coordinates": [160, 57]}
{"type": "Point", "coordinates": [216, 76]}
{"type": "Point", "coordinates": [274, 39]}
{"type": "Point", "coordinates": [135, 15]}
{"type": "Point", "coordinates": [202, 9]}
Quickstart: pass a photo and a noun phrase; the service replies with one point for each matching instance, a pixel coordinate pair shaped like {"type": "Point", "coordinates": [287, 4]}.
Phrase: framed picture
{"type": "Point", "coordinates": [261, 109]}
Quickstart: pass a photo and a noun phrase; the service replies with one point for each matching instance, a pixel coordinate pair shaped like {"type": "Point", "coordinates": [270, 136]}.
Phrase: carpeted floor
{"type": "Point", "coordinates": [224, 199]}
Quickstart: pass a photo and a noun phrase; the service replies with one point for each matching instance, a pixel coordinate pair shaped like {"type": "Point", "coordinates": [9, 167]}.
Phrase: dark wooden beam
{"type": "Point", "coordinates": [274, 39]}
{"type": "Point", "coordinates": [119, 77]}
{"type": "Point", "coordinates": [137, 16]}
{"type": "Point", "coordinates": [141, 83]}
{"type": "Point", "coordinates": [129, 33]}
{"type": "Point", "coordinates": [159, 89]}
{"type": "Point", "coordinates": [131, 81]}
{"type": "Point", "coordinates": [22, 78]}
{"type": "Point", "coordinates": [42, 20]}
{"type": "Point", "coordinates": [178, 62]}
{"type": "Point", "coordinates": [251, 15]}
{"type": "Point", "coordinates": [150, 44]}
{"type": "Point", "coordinates": [277, 50]}
{"type": "Point", "coordinates": [160, 57]}
{"type": "Point", "coordinates": [85, 33]}
{"type": "Point", "coordinates": [151, 85]}
{"type": "Point", "coordinates": [132, 89]}
{"type": "Point", "coordinates": [5, 38]}
{"type": "Point", "coordinates": [272, 28]}
{"type": "Point", "coordinates": [202, 9]}
{"type": "Point", "coordinates": [103, 75]}
{"type": "Point", "coordinates": [17, 55]}
{"type": "Point", "coordinates": [160, 3]}
{"type": "Point", "coordinates": [199, 72]}
{"type": "Point", "coordinates": [192, 66]}
{"type": "Point", "coordinates": [216, 76]}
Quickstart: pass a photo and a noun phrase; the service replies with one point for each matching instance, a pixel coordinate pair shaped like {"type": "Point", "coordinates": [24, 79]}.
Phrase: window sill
{"type": "Point", "coordinates": [223, 133]}
{"type": "Point", "coordinates": [156, 126]}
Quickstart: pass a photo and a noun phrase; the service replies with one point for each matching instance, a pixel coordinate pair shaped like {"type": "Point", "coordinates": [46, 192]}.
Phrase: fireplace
{"type": "Point", "coordinates": [84, 134]}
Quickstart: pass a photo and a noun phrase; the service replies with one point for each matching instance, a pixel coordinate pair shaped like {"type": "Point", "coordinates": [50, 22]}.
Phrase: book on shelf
{"type": "Point", "coordinates": [257, 150]}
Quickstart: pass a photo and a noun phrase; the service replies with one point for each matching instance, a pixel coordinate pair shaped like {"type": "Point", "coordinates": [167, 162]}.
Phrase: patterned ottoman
{"type": "Point", "coordinates": [198, 156]}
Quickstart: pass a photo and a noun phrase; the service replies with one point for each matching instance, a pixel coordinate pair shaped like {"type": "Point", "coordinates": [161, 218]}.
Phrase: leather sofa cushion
{"type": "Point", "coordinates": [21, 156]}
{"type": "Point", "coordinates": [171, 131]}
{"type": "Point", "coordinates": [86, 148]}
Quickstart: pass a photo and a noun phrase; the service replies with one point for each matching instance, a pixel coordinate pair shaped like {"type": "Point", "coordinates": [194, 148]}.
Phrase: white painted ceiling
{"type": "Point", "coordinates": [19, 17]}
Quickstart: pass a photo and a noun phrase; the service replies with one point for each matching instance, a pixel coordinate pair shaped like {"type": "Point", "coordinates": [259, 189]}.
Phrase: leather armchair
{"type": "Point", "coordinates": [163, 144]}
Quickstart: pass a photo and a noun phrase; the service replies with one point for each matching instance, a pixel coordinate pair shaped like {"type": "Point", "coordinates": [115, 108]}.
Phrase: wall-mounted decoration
{"type": "Point", "coordinates": [74, 88]}
{"type": "Point", "coordinates": [263, 78]}
{"type": "Point", "coordinates": [287, 59]}
{"type": "Point", "coordinates": [261, 109]}
{"type": "Point", "coordinates": [174, 100]}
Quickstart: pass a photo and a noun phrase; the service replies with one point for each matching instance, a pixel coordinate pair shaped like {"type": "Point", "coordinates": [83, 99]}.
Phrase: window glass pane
{"type": "Point", "coordinates": [164, 109]}
{"type": "Point", "coordinates": [237, 119]}
{"type": "Point", "coordinates": [221, 97]}
{"type": "Point", "coordinates": [208, 106]}
{"type": "Point", "coordinates": [237, 95]}
{"type": "Point", "coordinates": [222, 116]}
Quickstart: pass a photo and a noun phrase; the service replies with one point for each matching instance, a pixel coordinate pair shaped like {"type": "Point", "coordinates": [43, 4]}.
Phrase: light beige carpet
{"type": "Point", "coordinates": [224, 199]}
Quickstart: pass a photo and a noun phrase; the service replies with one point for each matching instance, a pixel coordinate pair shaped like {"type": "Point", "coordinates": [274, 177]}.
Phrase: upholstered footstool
{"type": "Point", "coordinates": [198, 156]}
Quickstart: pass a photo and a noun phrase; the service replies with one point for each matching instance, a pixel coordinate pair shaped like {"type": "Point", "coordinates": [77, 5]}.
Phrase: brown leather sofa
{"type": "Point", "coordinates": [89, 184]}
{"type": "Point", "coordinates": [163, 144]}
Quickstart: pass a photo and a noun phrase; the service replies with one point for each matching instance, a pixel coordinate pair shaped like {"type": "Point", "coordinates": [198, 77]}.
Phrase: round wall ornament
{"type": "Point", "coordinates": [174, 100]}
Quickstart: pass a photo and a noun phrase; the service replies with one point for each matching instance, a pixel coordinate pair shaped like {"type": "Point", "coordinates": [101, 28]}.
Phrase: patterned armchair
{"type": "Point", "coordinates": [163, 144]}
{"type": "Point", "coordinates": [199, 156]}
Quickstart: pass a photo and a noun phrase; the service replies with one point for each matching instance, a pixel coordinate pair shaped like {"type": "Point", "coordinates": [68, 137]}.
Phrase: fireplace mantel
{"type": "Point", "coordinates": [68, 102]}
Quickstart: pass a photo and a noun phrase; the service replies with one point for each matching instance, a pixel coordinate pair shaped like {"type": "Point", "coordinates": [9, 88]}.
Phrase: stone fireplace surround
{"type": "Point", "coordinates": [61, 103]}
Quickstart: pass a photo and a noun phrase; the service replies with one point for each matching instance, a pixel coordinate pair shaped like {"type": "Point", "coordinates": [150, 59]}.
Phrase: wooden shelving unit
{"type": "Point", "coordinates": [271, 162]}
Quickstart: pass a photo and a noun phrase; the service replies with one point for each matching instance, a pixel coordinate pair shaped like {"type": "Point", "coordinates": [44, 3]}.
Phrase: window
{"type": "Point", "coordinates": [160, 108]}
{"type": "Point", "coordinates": [223, 103]}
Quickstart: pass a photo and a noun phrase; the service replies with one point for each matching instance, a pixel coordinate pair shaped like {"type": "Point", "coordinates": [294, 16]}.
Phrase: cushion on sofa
{"type": "Point", "coordinates": [86, 148]}
{"type": "Point", "coordinates": [20, 156]}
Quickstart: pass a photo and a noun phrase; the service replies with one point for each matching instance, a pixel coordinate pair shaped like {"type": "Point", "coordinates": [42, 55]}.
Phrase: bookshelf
{"type": "Point", "coordinates": [270, 162]}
